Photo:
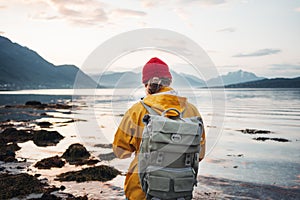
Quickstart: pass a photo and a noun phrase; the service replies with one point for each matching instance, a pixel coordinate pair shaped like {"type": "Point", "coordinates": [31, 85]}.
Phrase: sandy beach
{"type": "Point", "coordinates": [240, 165]}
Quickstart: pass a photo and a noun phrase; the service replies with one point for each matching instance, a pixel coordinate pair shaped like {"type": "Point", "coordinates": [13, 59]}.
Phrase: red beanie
{"type": "Point", "coordinates": [155, 68]}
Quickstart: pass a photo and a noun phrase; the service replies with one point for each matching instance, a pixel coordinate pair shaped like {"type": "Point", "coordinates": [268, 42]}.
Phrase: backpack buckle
{"type": "Point", "coordinates": [159, 158]}
{"type": "Point", "coordinates": [188, 160]}
{"type": "Point", "coordinates": [176, 138]}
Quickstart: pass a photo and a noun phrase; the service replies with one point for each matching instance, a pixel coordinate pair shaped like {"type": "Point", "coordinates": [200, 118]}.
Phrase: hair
{"type": "Point", "coordinates": [155, 84]}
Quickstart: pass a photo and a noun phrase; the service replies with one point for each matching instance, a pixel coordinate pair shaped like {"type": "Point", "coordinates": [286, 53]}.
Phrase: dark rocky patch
{"type": "Point", "coordinates": [48, 196]}
{"type": "Point", "coordinates": [6, 125]}
{"type": "Point", "coordinates": [14, 185]}
{"type": "Point", "coordinates": [11, 136]}
{"type": "Point", "coordinates": [105, 146]}
{"type": "Point", "coordinates": [48, 163]}
{"type": "Point", "coordinates": [274, 139]}
{"type": "Point", "coordinates": [46, 138]}
{"type": "Point", "coordinates": [238, 155]}
{"type": "Point", "coordinates": [107, 156]}
{"type": "Point", "coordinates": [44, 124]}
{"type": "Point", "coordinates": [99, 173]}
{"type": "Point", "coordinates": [76, 154]}
{"type": "Point", "coordinates": [7, 152]}
{"type": "Point", "coordinates": [255, 131]}
{"type": "Point", "coordinates": [40, 106]}
{"type": "Point", "coordinates": [14, 135]}
{"type": "Point", "coordinates": [33, 103]}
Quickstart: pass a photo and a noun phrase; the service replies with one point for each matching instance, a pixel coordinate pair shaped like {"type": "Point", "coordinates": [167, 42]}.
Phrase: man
{"type": "Point", "coordinates": [159, 96]}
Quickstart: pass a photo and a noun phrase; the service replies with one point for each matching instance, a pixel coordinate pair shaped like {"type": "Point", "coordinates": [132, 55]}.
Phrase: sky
{"type": "Point", "coordinates": [259, 36]}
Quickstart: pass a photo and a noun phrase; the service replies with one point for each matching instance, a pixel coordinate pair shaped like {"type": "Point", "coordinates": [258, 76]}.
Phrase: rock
{"type": "Point", "coordinates": [92, 162]}
{"type": "Point", "coordinates": [14, 135]}
{"type": "Point", "coordinates": [280, 139]}
{"type": "Point", "coordinates": [61, 106]}
{"type": "Point", "coordinates": [7, 152]}
{"type": "Point", "coordinates": [274, 139]}
{"type": "Point", "coordinates": [6, 125]}
{"type": "Point", "coordinates": [14, 185]}
{"type": "Point", "coordinates": [98, 173]}
{"type": "Point", "coordinates": [10, 158]}
{"type": "Point", "coordinates": [46, 138]}
{"type": "Point", "coordinates": [255, 131]}
{"type": "Point", "coordinates": [76, 154]}
{"type": "Point", "coordinates": [44, 124]}
{"type": "Point", "coordinates": [33, 103]}
{"type": "Point", "coordinates": [48, 163]}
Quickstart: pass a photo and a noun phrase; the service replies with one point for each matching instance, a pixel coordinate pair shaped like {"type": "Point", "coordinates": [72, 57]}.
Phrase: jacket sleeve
{"type": "Point", "coordinates": [122, 145]}
{"type": "Point", "coordinates": [129, 133]}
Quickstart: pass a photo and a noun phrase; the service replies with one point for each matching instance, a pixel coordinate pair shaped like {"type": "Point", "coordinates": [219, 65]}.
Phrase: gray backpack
{"type": "Point", "coordinates": [169, 155]}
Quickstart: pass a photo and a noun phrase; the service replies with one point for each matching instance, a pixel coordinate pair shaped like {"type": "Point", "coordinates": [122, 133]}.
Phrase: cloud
{"type": "Point", "coordinates": [43, 16]}
{"type": "Point", "coordinates": [2, 7]}
{"type": "Point", "coordinates": [180, 3]}
{"type": "Point", "coordinates": [297, 9]}
{"type": "Point", "coordinates": [283, 70]}
{"type": "Point", "coordinates": [261, 52]}
{"type": "Point", "coordinates": [205, 2]}
{"type": "Point", "coordinates": [83, 12]}
{"type": "Point", "coordinates": [285, 67]}
{"type": "Point", "coordinates": [229, 29]}
{"type": "Point", "coordinates": [2, 32]}
{"type": "Point", "coordinates": [151, 3]}
{"type": "Point", "coordinates": [128, 12]}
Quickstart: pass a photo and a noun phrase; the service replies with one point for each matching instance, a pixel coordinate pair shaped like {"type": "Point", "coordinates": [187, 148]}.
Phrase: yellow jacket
{"type": "Point", "coordinates": [129, 134]}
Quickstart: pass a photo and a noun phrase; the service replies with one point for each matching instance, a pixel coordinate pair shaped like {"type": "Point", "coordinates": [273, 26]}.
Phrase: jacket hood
{"type": "Point", "coordinates": [166, 98]}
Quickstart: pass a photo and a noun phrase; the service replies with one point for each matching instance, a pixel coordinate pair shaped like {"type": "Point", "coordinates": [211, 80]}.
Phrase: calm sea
{"type": "Point", "coordinates": [230, 153]}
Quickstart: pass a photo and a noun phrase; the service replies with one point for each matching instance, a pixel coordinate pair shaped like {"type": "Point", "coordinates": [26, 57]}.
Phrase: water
{"type": "Point", "coordinates": [230, 153]}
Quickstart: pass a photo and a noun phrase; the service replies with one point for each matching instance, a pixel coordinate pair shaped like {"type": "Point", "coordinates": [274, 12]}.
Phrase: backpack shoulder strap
{"type": "Point", "coordinates": [149, 109]}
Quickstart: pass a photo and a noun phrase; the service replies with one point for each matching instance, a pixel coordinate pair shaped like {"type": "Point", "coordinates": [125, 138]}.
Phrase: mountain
{"type": "Point", "coordinates": [23, 68]}
{"type": "Point", "coordinates": [131, 79]}
{"type": "Point", "coordinates": [118, 79]}
{"type": "Point", "coordinates": [233, 78]}
{"type": "Point", "coordinates": [269, 83]}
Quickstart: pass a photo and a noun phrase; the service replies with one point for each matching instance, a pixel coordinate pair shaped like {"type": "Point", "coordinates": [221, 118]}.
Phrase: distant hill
{"type": "Point", "coordinates": [269, 83]}
{"type": "Point", "coordinates": [23, 68]}
{"type": "Point", "coordinates": [118, 79]}
{"type": "Point", "coordinates": [233, 78]}
{"type": "Point", "coordinates": [132, 79]}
